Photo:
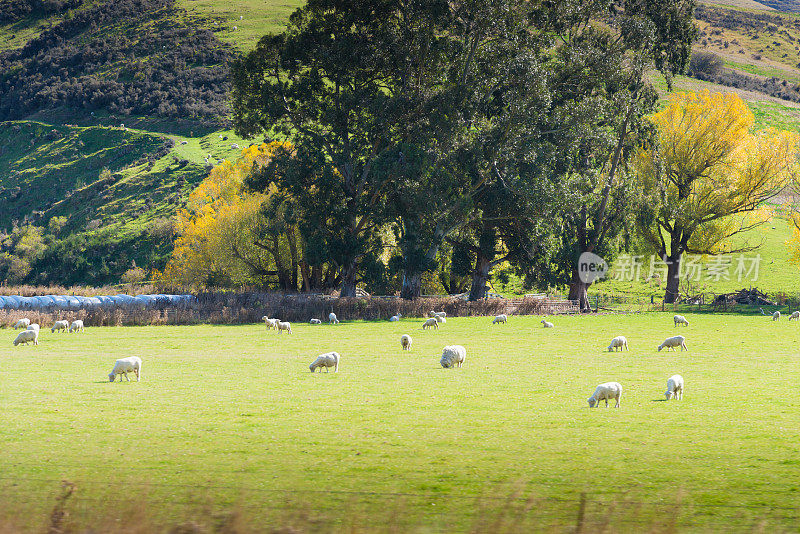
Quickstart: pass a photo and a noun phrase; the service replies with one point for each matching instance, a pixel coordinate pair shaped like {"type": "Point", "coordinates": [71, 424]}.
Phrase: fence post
{"type": "Point", "coordinates": [581, 514]}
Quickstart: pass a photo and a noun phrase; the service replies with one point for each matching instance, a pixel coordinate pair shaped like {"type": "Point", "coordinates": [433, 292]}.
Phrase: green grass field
{"type": "Point", "coordinates": [228, 418]}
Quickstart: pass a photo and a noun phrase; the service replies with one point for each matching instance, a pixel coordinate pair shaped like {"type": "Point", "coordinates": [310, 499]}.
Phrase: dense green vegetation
{"type": "Point", "coordinates": [422, 447]}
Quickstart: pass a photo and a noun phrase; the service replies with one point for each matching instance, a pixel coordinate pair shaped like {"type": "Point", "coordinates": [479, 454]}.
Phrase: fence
{"type": "Point", "coordinates": [250, 307]}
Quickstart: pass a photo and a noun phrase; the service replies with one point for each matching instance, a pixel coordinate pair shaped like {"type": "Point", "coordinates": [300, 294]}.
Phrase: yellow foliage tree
{"type": "Point", "coordinates": [218, 231]}
{"type": "Point", "coordinates": [707, 168]}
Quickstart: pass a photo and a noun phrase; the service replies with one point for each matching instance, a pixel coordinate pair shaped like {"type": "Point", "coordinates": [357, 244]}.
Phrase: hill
{"type": "Point", "coordinates": [114, 111]}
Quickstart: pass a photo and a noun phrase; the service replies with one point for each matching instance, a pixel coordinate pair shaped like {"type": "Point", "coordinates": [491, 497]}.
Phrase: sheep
{"type": "Point", "coordinates": [22, 323]}
{"type": "Point", "coordinates": [235, 145]}
{"type": "Point", "coordinates": [618, 342]}
{"type": "Point", "coordinates": [327, 360]}
{"type": "Point", "coordinates": [672, 342]}
{"type": "Point", "coordinates": [406, 341]}
{"type": "Point", "coordinates": [61, 326]}
{"type": "Point", "coordinates": [33, 326]}
{"type": "Point", "coordinates": [502, 318]}
{"type": "Point", "coordinates": [453, 356]}
{"type": "Point", "coordinates": [432, 322]}
{"type": "Point", "coordinates": [395, 318]}
{"type": "Point", "coordinates": [776, 316]}
{"type": "Point", "coordinates": [234, 29]}
{"type": "Point", "coordinates": [680, 319]}
{"type": "Point", "coordinates": [123, 366]}
{"type": "Point", "coordinates": [674, 387]}
{"type": "Point", "coordinates": [547, 324]}
{"type": "Point", "coordinates": [606, 391]}
{"type": "Point", "coordinates": [315, 321]}
{"type": "Point", "coordinates": [26, 336]}
{"type": "Point", "coordinates": [332, 319]}
{"type": "Point", "coordinates": [284, 326]}
{"type": "Point", "coordinates": [440, 319]}
{"type": "Point", "coordinates": [76, 326]}
{"type": "Point", "coordinates": [795, 315]}
{"type": "Point", "coordinates": [270, 323]}
{"type": "Point", "coordinates": [437, 314]}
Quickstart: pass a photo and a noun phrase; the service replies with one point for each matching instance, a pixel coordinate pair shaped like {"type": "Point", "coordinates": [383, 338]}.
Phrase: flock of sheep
{"type": "Point", "coordinates": [452, 355]}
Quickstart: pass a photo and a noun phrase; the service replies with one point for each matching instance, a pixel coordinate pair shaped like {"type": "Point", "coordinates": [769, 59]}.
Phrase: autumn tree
{"type": "Point", "coordinates": [708, 168]}
{"type": "Point", "coordinates": [226, 234]}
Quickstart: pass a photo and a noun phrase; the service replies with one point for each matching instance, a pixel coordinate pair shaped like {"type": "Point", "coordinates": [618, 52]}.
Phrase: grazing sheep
{"type": "Point", "coordinates": [406, 341]}
{"type": "Point", "coordinates": [284, 326]}
{"type": "Point", "coordinates": [26, 336]}
{"type": "Point", "coordinates": [672, 342]}
{"type": "Point", "coordinates": [776, 316]}
{"type": "Point", "coordinates": [680, 319]}
{"type": "Point", "coordinates": [332, 319]}
{"type": "Point", "coordinates": [329, 359]}
{"type": "Point", "coordinates": [436, 314]}
{"type": "Point", "coordinates": [432, 322]}
{"type": "Point", "coordinates": [674, 387]}
{"type": "Point", "coordinates": [123, 366]}
{"type": "Point", "coordinates": [795, 316]}
{"type": "Point", "coordinates": [395, 318]}
{"type": "Point", "coordinates": [33, 326]}
{"type": "Point", "coordinates": [22, 323]}
{"type": "Point", "coordinates": [61, 326]}
{"type": "Point", "coordinates": [453, 356]}
{"type": "Point", "coordinates": [76, 326]}
{"type": "Point", "coordinates": [606, 391]}
{"type": "Point", "coordinates": [618, 342]}
{"type": "Point", "coordinates": [502, 318]}
{"type": "Point", "coordinates": [547, 324]}
{"type": "Point", "coordinates": [315, 321]}
{"type": "Point", "coordinates": [270, 323]}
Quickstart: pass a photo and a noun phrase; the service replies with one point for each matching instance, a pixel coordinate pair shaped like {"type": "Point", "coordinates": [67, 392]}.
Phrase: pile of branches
{"type": "Point", "coordinates": [751, 296]}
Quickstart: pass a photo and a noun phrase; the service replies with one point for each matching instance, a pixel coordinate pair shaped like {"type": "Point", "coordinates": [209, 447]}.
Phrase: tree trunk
{"type": "Point", "coordinates": [412, 285]}
{"type": "Point", "coordinates": [578, 290]}
{"type": "Point", "coordinates": [480, 276]}
{"type": "Point", "coordinates": [673, 280]}
{"type": "Point", "coordinates": [348, 288]}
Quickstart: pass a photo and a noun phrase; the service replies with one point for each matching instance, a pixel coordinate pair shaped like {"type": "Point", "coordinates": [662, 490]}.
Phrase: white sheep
{"type": "Point", "coordinates": [680, 319]}
{"type": "Point", "coordinates": [61, 326]}
{"type": "Point", "coordinates": [315, 321]}
{"type": "Point", "coordinates": [453, 356]}
{"type": "Point", "coordinates": [672, 342]}
{"type": "Point", "coordinates": [776, 316]}
{"type": "Point", "coordinates": [619, 342]}
{"type": "Point", "coordinates": [502, 318]}
{"type": "Point", "coordinates": [547, 324]}
{"type": "Point", "coordinates": [432, 322]}
{"type": "Point", "coordinates": [795, 316]}
{"type": "Point", "coordinates": [26, 336]}
{"type": "Point", "coordinates": [123, 366]}
{"type": "Point", "coordinates": [606, 392]}
{"type": "Point", "coordinates": [332, 319]}
{"type": "Point", "coordinates": [395, 318]}
{"type": "Point", "coordinates": [674, 387]}
{"type": "Point", "coordinates": [76, 326]}
{"type": "Point", "coordinates": [284, 326]}
{"type": "Point", "coordinates": [33, 326]}
{"type": "Point", "coordinates": [440, 319]}
{"type": "Point", "coordinates": [437, 314]}
{"type": "Point", "coordinates": [329, 359]}
{"type": "Point", "coordinates": [22, 323]}
{"type": "Point", "coordinates": [406, 341]}
{"type": "Point", "coordinates": [270, 323]}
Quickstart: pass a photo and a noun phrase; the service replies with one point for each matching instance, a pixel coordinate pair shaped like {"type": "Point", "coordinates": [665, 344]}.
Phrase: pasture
{"type": "Point", "coordinates": [228, 424]}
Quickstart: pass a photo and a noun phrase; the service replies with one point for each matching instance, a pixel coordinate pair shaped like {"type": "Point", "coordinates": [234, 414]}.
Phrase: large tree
{"type": "Point", "coordinates": [707, 168]}
{"type": "Point", "coordinates": [348, 82]}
